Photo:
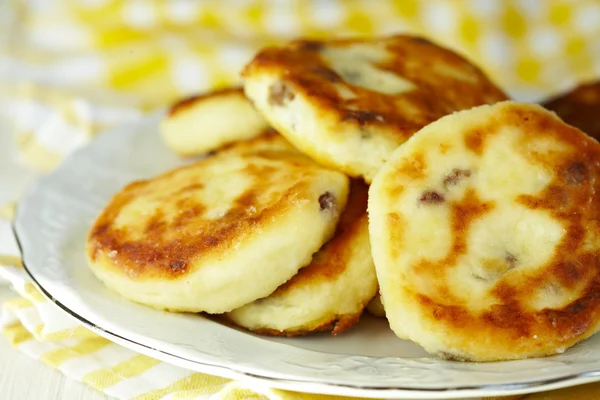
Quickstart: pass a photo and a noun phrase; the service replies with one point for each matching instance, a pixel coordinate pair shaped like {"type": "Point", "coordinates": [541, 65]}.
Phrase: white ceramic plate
{"type": "Point", "coordinates": [369, 361]}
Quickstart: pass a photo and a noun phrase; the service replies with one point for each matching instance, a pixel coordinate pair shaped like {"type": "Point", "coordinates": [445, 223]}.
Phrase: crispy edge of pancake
{"type": "Point", "coordinates": [192, 101]}
{"type": "Point", "coordinates": [339, 325]}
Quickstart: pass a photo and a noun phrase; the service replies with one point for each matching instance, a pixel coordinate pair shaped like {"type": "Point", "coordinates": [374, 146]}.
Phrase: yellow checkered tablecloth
{"type": "Point", "coordinates": [70, 69]}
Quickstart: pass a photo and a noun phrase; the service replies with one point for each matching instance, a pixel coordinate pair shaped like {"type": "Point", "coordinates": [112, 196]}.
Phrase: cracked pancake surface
{"type": "Point", "coordinates": [204, 123]}
{"type": "Point", "coordinates": [220, 233]}
{"type": "Point", "coordinates": [350, 103]}
{"type": "Point", "coordinates": [331, 292]}
{"type": "Point", "coordinates": [485, 230]}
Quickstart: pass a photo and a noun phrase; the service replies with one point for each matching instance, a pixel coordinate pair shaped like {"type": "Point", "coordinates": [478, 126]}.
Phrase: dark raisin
{"type": "Point", "coordinates": [431, 197]}
{"type": "Point", "coordinates": [577, 307]}
{"type": "Point", "coordinates": [326, 73]}
{"type": "Point", "coordinates": [279, 94]}
{"type": "Point", "coordinates": [177, 265]}
{"type": "Point", "coordinates": [327, 201]}
{"type": "Point", "coordinates": [362, 117]}
{"type": "Point", "coordinates": [511, 260]}
{"type": "Point", "coordinates": [576, 173]}
{"type": "Point", "coordinates": [456, 176]}
{"type": "Point", "coordinates": [365, 134]}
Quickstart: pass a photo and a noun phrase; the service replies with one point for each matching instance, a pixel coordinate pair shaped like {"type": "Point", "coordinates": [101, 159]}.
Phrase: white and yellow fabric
{"type": "Point", "coordinates": [70, 69]}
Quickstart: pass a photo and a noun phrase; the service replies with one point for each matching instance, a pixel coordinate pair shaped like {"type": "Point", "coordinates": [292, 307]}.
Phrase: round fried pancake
{"type": "Point", "coordinates": [375, 307]}
{"type": "Point", "coordinates": [217, 234]}
{"type": "Point", "coordinates": [579, 107]}
{"type": "Point", "coordinates": [485, 231]}
{"type": "Point", "coordinates": [204, 123]}
{"type": "Point", "coordinates": [328, 294]}
{"type": "Point", "coordinates": [350, 103]}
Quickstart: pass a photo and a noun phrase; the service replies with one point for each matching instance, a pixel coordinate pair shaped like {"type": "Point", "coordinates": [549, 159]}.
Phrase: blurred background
{"type": "Point", "coordinates": [72, 68]}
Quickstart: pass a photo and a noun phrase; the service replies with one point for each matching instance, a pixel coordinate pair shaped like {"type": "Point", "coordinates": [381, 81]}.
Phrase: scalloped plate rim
{"type": "Point", "coordinates": [265, 376]}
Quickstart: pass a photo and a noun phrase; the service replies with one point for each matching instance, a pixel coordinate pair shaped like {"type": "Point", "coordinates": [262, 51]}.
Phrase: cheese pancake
{"type": "Point", "coordinates": [375, 307]}
{"type": "Point", "coordinates": [267, 143]}
{"type": "Point", "coordinates": [200, 124]}
{"type": "Point", "coordinates": [219, 233]}
{"type": "Point", "coordinates": [580, 107]}
{"type": "Point", "coordinates": [350, 103]}
{"type": "Point", "coordinates": [485, 230]}
{"type": "Point", "coordinates": [331, 292]}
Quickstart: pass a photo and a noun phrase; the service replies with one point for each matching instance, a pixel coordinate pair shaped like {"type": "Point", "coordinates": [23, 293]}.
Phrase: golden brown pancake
{"type": "Point", "coordinates": [331, 292]}
{"type": "Point", "coordinates": [219, 233]}
{"type": "Point", "coordinates": [485, 230]}
{"type": "Point", "coordinates": [350, 103]}
{"type": "Point", "coordinates": [579, 107]}
{"type": "Point", "coordinates": [204, 123]}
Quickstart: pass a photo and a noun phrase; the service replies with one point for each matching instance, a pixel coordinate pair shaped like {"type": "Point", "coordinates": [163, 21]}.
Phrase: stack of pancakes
{"type": "Point", "coordinates": [482, 236]}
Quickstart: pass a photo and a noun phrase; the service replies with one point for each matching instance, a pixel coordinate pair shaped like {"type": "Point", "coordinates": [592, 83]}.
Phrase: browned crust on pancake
{"type": "Point", "coordinates": [332, 259]}
{"type": "Point", "coordinates": [337, 326]}
{"type": "Point", "coordinates": [580, 107]}
{"type": "Point", "coordinates": [194, 100]}
{"type": "Point", "coordinates": [573, 198]}
{"type": "Point", "coordinates": [169, 249]}
{"type": "Point", "coordinates": [268, 142]}
{"type": "Point", "coordinates": [355, 207]}
{"type": "Point", "coordinates": [304, 70]}
{"type": "Point", "coordinates": [346, 322]}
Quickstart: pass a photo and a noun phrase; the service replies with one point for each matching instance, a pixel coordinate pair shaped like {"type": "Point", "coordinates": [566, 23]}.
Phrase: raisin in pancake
{"type": "Point", "coordinates": [201, 124]}
{"type": "Point", "coordinates": [375, 307]}
{"type": "Point", "coordinates": [350, 103]}
{"type": "Point", "coordinates": [328, 294]}
{"type": "Point", "coordinates": [220, 233]}
{"type": "Point", "coordinates": [485, 231]}
{"type": "Point", "coordinates": [580, 108]}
